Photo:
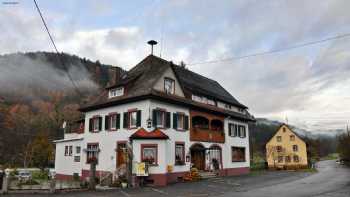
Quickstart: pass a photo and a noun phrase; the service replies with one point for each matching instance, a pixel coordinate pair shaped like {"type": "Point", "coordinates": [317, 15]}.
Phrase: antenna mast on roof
{"type": "Point", "coordinates": [152, 42]}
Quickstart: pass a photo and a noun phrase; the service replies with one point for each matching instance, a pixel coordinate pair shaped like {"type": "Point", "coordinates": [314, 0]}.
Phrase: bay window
{"type": "Point", "coordinates": [149, 153]}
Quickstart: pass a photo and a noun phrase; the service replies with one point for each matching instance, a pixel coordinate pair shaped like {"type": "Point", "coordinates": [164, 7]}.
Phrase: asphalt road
{"type": "Point", "coordinates": [331, 180]}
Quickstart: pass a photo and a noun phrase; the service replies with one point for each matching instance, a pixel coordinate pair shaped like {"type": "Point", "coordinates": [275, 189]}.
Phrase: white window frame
{"type": "Point", "coordinates": [131, 125]}
{"type": "Point", "coordinates": [113, 120]}
{"type": "Point", "coordinates": [180, 126]}
{"type": "Point", "coordinates": [115, 92]}
{"type": "Point", "coordinates": [96, 124]}
{"type": "Point", "coordinates": [162, 119]}
{"type": "Point", "coordinates": [172, 85]}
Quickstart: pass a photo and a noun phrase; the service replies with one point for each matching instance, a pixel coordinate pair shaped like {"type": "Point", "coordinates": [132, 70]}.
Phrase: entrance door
{"type": "Point", "coordinates": [198, 157]}
{"type": "Point", "coordinates": [121, 154]}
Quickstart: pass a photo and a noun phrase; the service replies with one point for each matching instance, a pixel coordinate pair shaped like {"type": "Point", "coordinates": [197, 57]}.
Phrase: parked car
{"type": "Point", "coordinates": [24, 175]}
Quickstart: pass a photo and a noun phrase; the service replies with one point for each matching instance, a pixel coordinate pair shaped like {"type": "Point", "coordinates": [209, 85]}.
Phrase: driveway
{"type": "Point", "coordinates": [331, 180]}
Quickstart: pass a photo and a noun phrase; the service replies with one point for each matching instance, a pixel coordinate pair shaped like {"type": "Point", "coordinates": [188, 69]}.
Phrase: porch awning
{"type": "Point", "coordinates": [155, 134]}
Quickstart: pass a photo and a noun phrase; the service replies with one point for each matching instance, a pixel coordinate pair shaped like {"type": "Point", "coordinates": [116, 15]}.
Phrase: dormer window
{"type": "Point", "coordinates": [169, 86]}
{"type": "Point", "coordinates": [116, 92]}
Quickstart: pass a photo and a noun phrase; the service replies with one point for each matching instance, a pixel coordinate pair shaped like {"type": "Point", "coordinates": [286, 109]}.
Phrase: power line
{"type": "Point", "coordinates": [58, 54]}
{"type": "Point", "coordinates": [271, 51]}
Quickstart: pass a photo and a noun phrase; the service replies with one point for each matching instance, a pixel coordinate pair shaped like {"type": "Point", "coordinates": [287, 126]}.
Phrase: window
{"type": "Point", "coordinates": [242, 132]}
{"type": "Point", "coordinates": [65, 150]}
{"type": "Point", "coordinates": [70, 150]}
{"type": "Point", "coordinates": [279, 149]}
{"type": "Point", "coordinates": [287, 159]}
{"type": "Point", "coordinates": [236, 130]}
{"type": "Point", "coordinates": [238, 154]}
{"type": "Point", "coordinates": [284, 129]}
{"type": "Point", "coordinates": [133, 119]}
{"type": "Point", "coordinates": [76, 158]}
{"type": "Point", "coordinates": [292, 137]}
{"type": "Point", "coordinates": [160, 119]}
{"type": "Point", "coordinates": [296, 158]}
{"type": "Point", "coordinates": [77, 149]}
{"type": "Point", "coordinates": [280, 159]}
{"type": "Point", "coordinates": [179, 153]}
{"type": "Point", "coordinates": [180, 121]}
{"type": "Point", "coordinates": [149, 153]}
{"type": "Point", "coordinates": [169, 86]}
{"type": "Point", "coordinates": [92, 152]}
{"type": "Point", "coordinates": [116, 92]}
{"type": "Point", "coordinates": [95, 124]}
{"type": "Point", "coordinates": [279, 138]}
{"type": "Point", "coordinates": [112, 122]}
{"type": "Point", "coordinates": [295, 148]}
{"type": "Point", "coordinates": [211, 102]}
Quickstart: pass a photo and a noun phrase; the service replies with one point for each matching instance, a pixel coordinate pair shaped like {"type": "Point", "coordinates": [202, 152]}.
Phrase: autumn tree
{"type": "Point", "coordinates": [41, 151]}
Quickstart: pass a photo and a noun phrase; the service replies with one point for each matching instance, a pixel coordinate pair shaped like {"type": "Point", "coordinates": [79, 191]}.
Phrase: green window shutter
{"type": "Point", "coordinates": [118, 121]}
{"type": "Point", "coordinates": [91, 122]}
{"type": "Point", "coordinates": [154, 118]}
{"type": "Point", "coordinates": [175, 120]}
{"type": "Point", "coordinates": [107, 123]}
{"type": "Point", "coordinates": [100, 123]}
{"type": "Point", "coordinates": [186, 122]}
{"type": "Point", "coordinates": [125, 120]}
{"type": "Point", "coordinates": [167, 119]}
{"type": "Point", "coordinates": [229, 129]}
{"type": "Point", "coordinates": [138, 118]}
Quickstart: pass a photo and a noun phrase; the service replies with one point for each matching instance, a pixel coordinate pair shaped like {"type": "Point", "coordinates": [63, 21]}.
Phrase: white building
{"type": "Point", "coordinates": [169, 117]}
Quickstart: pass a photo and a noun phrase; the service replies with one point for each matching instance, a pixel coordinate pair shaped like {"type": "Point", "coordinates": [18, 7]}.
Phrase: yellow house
{"type": "Point", "coordinates": [286, 150]}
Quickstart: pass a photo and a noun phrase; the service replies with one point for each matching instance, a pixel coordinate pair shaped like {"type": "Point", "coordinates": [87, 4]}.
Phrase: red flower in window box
{"type": "Point", "coordinates": [92, 160]}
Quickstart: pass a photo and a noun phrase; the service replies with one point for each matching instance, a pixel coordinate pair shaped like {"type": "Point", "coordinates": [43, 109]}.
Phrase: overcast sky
{"type": "Point", "coordinates": [310, 85]}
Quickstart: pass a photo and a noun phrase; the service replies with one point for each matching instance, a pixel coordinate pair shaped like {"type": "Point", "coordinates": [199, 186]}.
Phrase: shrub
{"type": "Point", "coordinates": [40, 175]}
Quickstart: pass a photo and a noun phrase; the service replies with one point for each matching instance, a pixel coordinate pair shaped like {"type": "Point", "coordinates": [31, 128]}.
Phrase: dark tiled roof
{"type": "Point", "coordinates": [201, 85]}
{"type": "Point", "coordinates": [139, 81]}
{"type": "Point", "coordinates": [143, 134]}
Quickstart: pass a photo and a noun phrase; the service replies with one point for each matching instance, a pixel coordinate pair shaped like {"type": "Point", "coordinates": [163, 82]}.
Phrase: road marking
{"type": "Point", "coordinates": [124, 193]}
{"type": "Point", "coordinates": [159, 191]}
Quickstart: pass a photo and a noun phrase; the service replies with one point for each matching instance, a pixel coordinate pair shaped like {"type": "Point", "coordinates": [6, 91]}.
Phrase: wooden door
{"type": "Point", "coordinates": [198, 159]}
{"type": "Point", "coordinates": [121, 154]}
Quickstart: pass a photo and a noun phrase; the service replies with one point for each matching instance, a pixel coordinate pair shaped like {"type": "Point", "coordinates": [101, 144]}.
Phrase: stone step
{"type": "Point", "coordinates": [207, 175]}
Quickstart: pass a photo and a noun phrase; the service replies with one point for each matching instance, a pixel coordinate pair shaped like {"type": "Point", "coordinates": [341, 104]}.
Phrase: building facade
{"type": "Point", "coordinates": [162, 114]}
{"type": "Point", "coordinates": [286, 150]}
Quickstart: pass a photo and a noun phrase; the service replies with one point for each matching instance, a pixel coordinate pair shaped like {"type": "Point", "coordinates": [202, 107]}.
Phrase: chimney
{"type": "Point", "coordinates": [115, 75]}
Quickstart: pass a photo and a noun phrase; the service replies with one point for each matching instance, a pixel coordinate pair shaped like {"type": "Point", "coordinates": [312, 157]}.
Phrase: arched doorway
{"type": "Point", "coordinates": [215, 157]}
{"type": "Point", "coordinates": [198, 156]}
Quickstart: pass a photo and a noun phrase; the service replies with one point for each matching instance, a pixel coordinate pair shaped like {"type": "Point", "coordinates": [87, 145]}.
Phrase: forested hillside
{"type": "Point", "coordinates": [36, 96]}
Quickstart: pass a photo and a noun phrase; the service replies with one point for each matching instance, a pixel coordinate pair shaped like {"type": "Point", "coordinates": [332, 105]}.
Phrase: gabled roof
{"type": "Point", "coordinates": [198, 84]}
{"type": "Point", "coordinates": [284, 124]}
{"type": "Point", "coordinates": [140, 80]}
{"type": "Point", "coordinates": [143, 134]}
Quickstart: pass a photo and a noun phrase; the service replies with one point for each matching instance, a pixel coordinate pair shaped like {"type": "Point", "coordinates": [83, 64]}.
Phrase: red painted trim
{"type": "Point", "coordinates": [150, 146]}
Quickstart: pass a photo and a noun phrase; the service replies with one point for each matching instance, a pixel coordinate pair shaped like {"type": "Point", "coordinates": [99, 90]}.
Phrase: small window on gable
{"type": "Point", "coordinates": [169, 86]}
{"type": "Point", "coordinates": [116, 92]}
{"type": "Point", "coordinates": [279, 138]}
{"type": "Point", "coordinates": [292, 138]}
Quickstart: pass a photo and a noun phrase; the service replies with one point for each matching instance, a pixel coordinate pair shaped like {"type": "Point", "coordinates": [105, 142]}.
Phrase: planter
{"type": "Point", "coordinates": [124, 185]}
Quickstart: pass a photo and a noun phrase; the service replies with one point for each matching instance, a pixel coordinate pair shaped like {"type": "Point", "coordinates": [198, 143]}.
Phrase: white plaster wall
{"type": "Point", "coordinates": [159, 85]}
{"type": "Point", "coordinates": [238, 142]}
{"type": "Point", "coordinates": [161, 168]}
{"type": "Point", "coordinates": [174, 136]}
{"type": "Point", "coordinates": [166, 148]}
{"type": "Point", "coordinates": [108, 139]}
{"type": "Point", "coordinates": [65, 164]}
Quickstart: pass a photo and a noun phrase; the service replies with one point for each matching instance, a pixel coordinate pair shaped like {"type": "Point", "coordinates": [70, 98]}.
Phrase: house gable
{"type": "Point", "coordinates": [169, 74]}
{"type": "Point", "coordinates": [281, 132]}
